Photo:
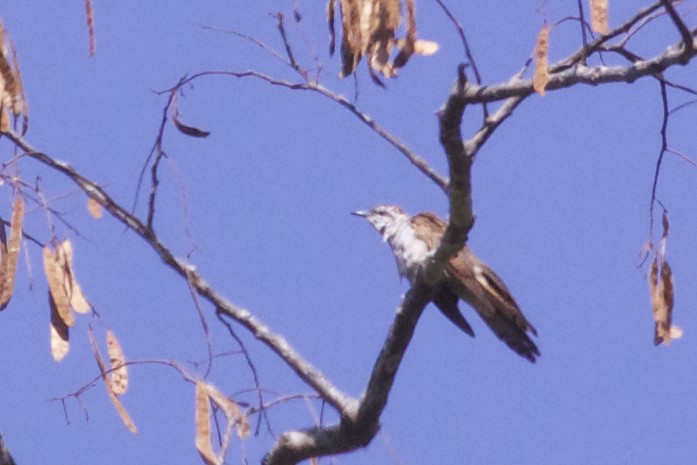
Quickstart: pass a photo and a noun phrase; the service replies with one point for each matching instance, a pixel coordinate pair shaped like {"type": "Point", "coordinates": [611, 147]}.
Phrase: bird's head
{"type": "Point", "coordinates": [384, 218]}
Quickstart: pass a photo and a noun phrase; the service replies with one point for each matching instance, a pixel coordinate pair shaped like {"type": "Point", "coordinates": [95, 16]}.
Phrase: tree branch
{"type": "Point", "coordinates": [674, 55]}
{"type": "Point", "coordinates": [358, 426]}
{"type": "Point", "coordinates": [275, 342]}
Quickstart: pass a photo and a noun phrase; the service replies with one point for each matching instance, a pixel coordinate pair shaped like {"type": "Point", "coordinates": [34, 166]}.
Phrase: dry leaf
{"type": "Point", "coordinates": [599, 22]}
{"type": "Point", "coordinates": [10, 253]}
{"type": "Point", "coordinates": [118, 406]}
{"type": "Point", "coordinates": [541, 77]}
{"type": "Point", "coordinates": [4, 120]}
{"type": "Point", "coordinates": [189, 130]}
{"type": "Point", "coordinates": [231, 410]}
{"type": "Point", "coordinates": [119, 371]}
{"type": "Point", "coordinates": [203, 425]}
{"type": "Point", "coordinates": [351, 42]}
{"type": "Point", "coordinates": [666, 224]}
{"type": "Point", "coordinates": [71, 287]}
{"type": "Point", "coordinates": [368, 29]}
{"type": "Point", "coordinates": [425, 47]}
{"type": "Point", "coordinates": [662, 301]}
{"type": "Point", "coordinates": [407, 44]}
{"type": "Point", "coordinates": [94, 208]}
{"type": "Point", "coordinates": [59, 334]}
{"type": "Point", "coordinates": [11, 89]}
{"type": "Point", "coordinates": [330, 21]}
{"type": "Point", "coordinates": [89, 13]}
{"type": "Point", "coordinates": [56, 276]}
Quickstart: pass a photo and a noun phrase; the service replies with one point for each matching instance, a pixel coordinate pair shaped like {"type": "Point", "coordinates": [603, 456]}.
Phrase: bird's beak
{"type": "Point", "coordinates": [362, 213]}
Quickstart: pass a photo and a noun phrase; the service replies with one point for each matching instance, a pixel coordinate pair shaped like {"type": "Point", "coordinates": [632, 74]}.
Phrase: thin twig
{"type": "Point", "coordinates": [664, 148]}
{"type": "Point", "coordinates": [679, 23]}
{"type": "Point", "coordinates": [253, 369]}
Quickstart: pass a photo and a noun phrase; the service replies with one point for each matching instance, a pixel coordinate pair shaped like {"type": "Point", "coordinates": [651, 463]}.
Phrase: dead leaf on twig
{"type": "Point", "coordinates": [541, 77]}
{"type": "Point", "coordinates": [189, 130]}
{"type": "Point", "coordinates": [369, 29]}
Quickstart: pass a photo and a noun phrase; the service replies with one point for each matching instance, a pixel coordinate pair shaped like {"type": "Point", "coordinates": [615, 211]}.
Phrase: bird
{"type": "Point", "coordinates": [415, 239]}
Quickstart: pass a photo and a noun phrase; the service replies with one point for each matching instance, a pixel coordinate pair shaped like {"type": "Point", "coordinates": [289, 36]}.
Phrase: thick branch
{"type": "Point", "coordinates": [459, 163]}
{"type": "Point", "coordinates": [358, 427]}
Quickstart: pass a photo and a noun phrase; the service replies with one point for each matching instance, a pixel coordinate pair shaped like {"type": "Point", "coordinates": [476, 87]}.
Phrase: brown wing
{"type": "Point", "coordinates": [480, 287]}
{"type": "Point", "coordinates": [429, 228]}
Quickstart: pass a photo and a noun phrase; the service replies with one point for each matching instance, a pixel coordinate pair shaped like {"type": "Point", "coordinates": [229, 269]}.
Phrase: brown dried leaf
{"type": "Point", "coordinates": [118, 406]}
{"type": "Point", "coordinates": [94, 208]}
{"type": "Point", "coordinates": [59, 334]}
{"type": "Point", "coordinates": [8, 86]}
{"type": "Point", "coordinates": [189, 130]}
{"type": "Point", "coordinates": [330, 22]}
{"type": "Point", "coordinates": [351, 36]}
{"type": "Point", "coordinates": [10, 254]}
{"type": "Point", "coordinates": [89, 13]}
{"type": "Point", "coordinates": [541, 77]}
{"type": "Point", "coordinates": [662, 301]}
{"type": "Point", "coordinates": [599, 22]}
{"type": "Point", "coordinates": [383, 19]}
{"type": "Point", "coordinates": [4, 119]}
{"type": "Point", "coordinates": [119, 371]}
{"type": "Point", "coordinates": [666, 224]}
{"type": "Point", "coordinates": [71, 287]}
{"type": "Point", "coordinates": [11, 88]}
{"type": "Point", "coordinates": [406, 45]}
{"type": "Point", "coordinates": [203, 425]}
{"type": "Point", "coordinates": [667, 296]}
{"type": "Point", "coordinates": [56, 276]}
{"type": "Point", "coordinates": [19, 101]}
{"type": "Point", "coordinates": [231, 410]}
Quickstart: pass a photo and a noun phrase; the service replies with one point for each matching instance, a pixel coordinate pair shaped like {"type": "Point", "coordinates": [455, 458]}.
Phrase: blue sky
{"type": "Point", "coordinates": [561, 194]}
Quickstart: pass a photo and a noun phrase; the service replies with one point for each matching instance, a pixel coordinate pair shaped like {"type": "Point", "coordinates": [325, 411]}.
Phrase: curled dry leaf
{"type": "Point", "coordinates": [9, 253]}
{"type": "Point", "coordinates": [231, 410]}
{"type": "Point", "coordinates": [55, 275]}
{"type": "Point", "coordinates": [118, 406]}
{"type": "Point", "coordinates": [59, 333]}
{"type": "Point", "coordinates": [599, 21]}
{"type": "Point", "coordinates": [189, 130]}
{"type": "Point", "coordinates": [94, 208]}
{"type": "Point", "coordinates": [203, 425]}
{"type": "Point", "coordinates": [119, 371]}
{"type": "Point", "coordinates": [541, 77]}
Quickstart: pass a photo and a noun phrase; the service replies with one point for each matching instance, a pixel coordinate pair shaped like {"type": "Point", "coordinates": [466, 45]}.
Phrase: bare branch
{"type": "Point", "coordinates": [358, 427]}
{"type": "Point", "coordinates": [664, 148]}
{"type": "Point", "coordinates": [313, 86]}
{"type": "Point", "coordinates": [674, 55]}
{"type": "Point", "coordinates": [275, 342]}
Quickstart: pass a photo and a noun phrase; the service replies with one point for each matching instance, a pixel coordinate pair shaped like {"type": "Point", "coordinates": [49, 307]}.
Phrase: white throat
{"type": "Point", "coordinates": [409, 251]}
